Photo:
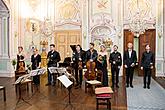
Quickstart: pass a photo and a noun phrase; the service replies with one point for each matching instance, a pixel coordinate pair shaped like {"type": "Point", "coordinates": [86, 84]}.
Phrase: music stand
{"type": "Point", "coordinates": [19, 82]}
{"type": "Point", "coordinates": [54, 72]}
{"type": "Point", "coordinates": [36, 72]}
{"type": "Point", "coordinates": [68, 84]}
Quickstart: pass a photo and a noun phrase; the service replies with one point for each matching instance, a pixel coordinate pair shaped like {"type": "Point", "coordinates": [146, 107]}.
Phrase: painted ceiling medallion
{"type": "Point", "coordinates": [33, 26]}
{"type": "Point", "coordinates": [68, 11]}
{"type": "Point", "coordinates": [102, 4]}
{"type": "Point", "coordinates": [33, 4]}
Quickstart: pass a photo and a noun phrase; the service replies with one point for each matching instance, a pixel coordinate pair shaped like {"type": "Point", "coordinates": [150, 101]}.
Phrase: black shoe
{"type": "Point", "coordinates": [144, 87]}
{"type": "Point", "coordinates": [48, 84]}
{"type": "Point", "coordinates": [148, 87]}
{"type": "Point", "coordinates": [117, 86]}
{"type": "Point", "coordinates": [131, 86]}
{"type": "Point", "coordinates": [127, 86]}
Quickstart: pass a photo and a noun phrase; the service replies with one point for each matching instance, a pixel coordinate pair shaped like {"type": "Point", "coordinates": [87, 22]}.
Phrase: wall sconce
{"type": "Point", "coordinates": [84, 35]}
{"type": "Point", "coordinates": [159, 31]}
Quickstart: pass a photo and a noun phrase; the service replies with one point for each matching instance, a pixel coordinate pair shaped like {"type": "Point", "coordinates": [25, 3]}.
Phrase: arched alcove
{"type": "Point", "coordinates": [5, 63]}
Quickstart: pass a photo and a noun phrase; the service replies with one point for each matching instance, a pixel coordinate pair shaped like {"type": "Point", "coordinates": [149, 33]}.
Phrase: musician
{"type": "Point", "coordinates": [116, 62]}
{"type": "Point", "coordinates": [20, 59]}
{"type": "Point", "coordinates": [53, 57]}
{"type": "Point", "coordinates": [147, 63]}
{"type": "Point", "coordinates": [102, 64]}
{"type": "Point", "coordinates": [78, 59]}
{"type": "Point", "coordinates": [36, 63]}
{"type": "Point", "coordinates": [130, 59]}
{"type": "Point", "coordinates": [91, 54]}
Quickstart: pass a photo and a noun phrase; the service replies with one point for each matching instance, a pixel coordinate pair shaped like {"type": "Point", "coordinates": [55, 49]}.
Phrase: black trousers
{"type": "Point", "coordinates": [147, 73]}
{"type": "Point", "coordinates": [36, 79]}
{"type": "Point", "coordinates": [129, 75]}
{"type": "Point", "coordinates": [115, 71]}
{"type": "Point", "coordinates": [78, 76]}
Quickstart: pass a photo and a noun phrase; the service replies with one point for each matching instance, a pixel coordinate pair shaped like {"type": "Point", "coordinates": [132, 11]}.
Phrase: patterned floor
{"type": "Point", "coordinates": [139, 98]}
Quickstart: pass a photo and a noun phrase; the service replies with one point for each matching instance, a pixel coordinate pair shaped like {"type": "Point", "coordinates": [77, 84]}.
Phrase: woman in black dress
{"type": "Point", "coordinates": [102, 64]}
{"type": "Point", "coordinates": [20, 59]}
{"type": "Point", "coordinates": [36, 62]}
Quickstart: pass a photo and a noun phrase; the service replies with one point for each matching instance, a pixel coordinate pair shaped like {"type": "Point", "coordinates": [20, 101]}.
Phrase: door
{"type": "Point", "coordinates": [149, 37]}
{"type": "Point", "coordinates": [63, 40]}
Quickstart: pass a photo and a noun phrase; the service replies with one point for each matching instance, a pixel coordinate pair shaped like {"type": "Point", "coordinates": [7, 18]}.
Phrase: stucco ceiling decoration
{"type": "Point", "coordinates": [33, 4]}
{"type": "Point", "coordinates": [69, 13]}
{"type": "Point", "coordinates": [102, 20]}
{"type": "Point", "coordinates": [102, 29]}
{"type": "Point", "coordinates": [140, 17]}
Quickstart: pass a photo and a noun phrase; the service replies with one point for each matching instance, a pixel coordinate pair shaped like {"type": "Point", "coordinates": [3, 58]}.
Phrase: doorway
{"type": "Point", "coordinates": [65, 38]}
{"type": "Point", "coordinates": [149, 37]}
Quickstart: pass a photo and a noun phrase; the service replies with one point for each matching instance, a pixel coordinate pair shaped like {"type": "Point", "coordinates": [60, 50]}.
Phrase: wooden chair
{"type": "Point", "coordinates": [26, 83]}
{"type": "Point", "coordinates": [19, 73]}
{"type": "Point", "coordinates": [4, 92]}
{"type": "Point", "coordinates": [89, 84]}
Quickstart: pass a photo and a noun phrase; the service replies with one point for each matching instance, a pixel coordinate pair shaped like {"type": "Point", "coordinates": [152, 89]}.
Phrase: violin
{"type": "Point", "coordinates": [80, 65]}
{"type": "Point", "coordinates": [90, 74]}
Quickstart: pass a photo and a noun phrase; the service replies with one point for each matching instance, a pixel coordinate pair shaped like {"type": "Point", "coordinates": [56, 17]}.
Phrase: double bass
{"type": "Point", "coordinates": [90, 74]}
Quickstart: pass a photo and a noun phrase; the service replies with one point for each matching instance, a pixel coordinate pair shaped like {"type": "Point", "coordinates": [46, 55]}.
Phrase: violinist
{"type": "Point", "coordinates": [78, 59]}
{"type": "Point", "coordinates": [36, 63]}
{"type": "Point", "coordinates": [116, 61]}
{"type": "Point", "coordinates": [20, 59]}
{"type": "Point", "coordinates": [53, 58]}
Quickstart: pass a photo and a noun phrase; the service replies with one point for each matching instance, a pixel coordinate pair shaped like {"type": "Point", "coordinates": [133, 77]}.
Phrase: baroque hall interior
{"type": "Point", "coordinates": [78, 54]}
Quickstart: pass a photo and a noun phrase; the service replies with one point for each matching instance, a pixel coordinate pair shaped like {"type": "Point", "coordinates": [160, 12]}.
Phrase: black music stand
{"type": "Point", "coordinates": [54, 72]}
{"type": "Point", "coordinates": [36, 72]}
{"type": "Point", "coordinates": [19, 82]}
{"type": "Point", "coordinates": [68, 84]}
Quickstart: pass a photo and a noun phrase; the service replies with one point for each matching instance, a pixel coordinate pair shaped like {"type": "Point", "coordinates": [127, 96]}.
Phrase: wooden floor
{"type": "Point", "coordinates": [54, 98]}
{"type": "Point", "coordinates": [161, 81]}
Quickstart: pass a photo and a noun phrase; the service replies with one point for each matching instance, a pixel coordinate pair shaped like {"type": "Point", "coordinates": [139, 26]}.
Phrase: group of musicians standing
{"type": "Point", "coordinates": [101, 59]}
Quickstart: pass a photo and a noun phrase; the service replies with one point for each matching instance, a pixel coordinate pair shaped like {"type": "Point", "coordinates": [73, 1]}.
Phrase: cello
{"type": "Point", "coordinates": [90, 74]}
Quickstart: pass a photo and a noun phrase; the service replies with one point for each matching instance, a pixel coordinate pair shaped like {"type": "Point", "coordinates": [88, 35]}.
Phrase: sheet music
{"type": "Point", "coordinates": [22, 78]}
{"type": "Point", "coordinates": [53, 69]}
{"type": "Point", "coordinates": [93, 82]}
{"type": "Point", "coordinates": [37, 72]}
{"type": "Point", "coordinates": [65, 81]}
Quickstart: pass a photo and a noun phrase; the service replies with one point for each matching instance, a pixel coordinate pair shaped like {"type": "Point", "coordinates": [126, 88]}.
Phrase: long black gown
{"type": "Point", "coordinates": [103, 67]}
{"type": "Point", "coordinates": [35, 63]}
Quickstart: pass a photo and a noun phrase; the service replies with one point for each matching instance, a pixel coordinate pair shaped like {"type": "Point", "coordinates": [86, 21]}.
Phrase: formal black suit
{"type": "Point", "coordinates": [116, 62]}
{"type": "Point", "coordinates": [130, 60]}
{"type": "Point", "coordinates": [146, 62]}
{"type": "Point", "coordinates": [35, 63]}
{"type": "Point", "coordinates": [53, 57]}
{"type": "Point", "coordinates": [78, 57]}
{"type": "Point", "coordinates": [92, 55]}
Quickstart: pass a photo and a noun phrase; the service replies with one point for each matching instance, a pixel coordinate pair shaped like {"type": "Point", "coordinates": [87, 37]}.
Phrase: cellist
{"type": "Point", "coordinates": [91, 58]}
{"type": "Point", "coordinates": [91, 54]}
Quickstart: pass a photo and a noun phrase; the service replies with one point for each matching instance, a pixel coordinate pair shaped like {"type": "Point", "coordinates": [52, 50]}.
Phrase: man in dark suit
{"type": "Point", "coordinates": [78, 59]}
{"type": "Point", "coordinates": [53, 57]}
{"type": "Point", "coordinates": [116, 62]}
{"type": "Point", "coordinates": [91, 54]}
{"type": "Point", "coordinates": [147, 63]}
{"type": "Point", "coordinates": [130, 59]}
